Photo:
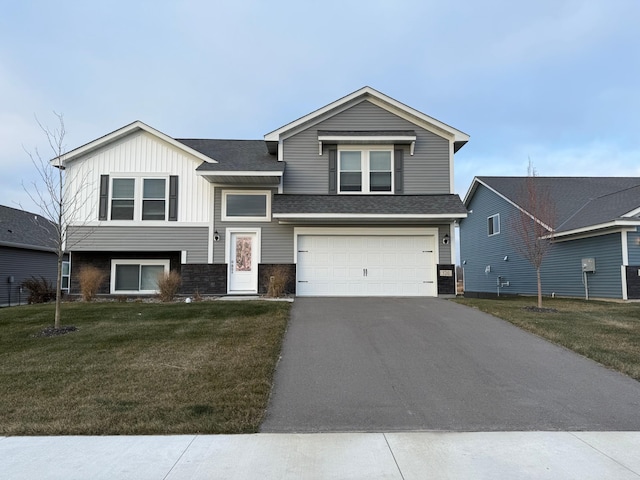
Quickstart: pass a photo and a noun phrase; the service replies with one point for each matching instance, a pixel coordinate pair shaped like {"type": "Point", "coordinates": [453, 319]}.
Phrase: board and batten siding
{"type": "Point", "coordinates": [561, 270]}
{"type": "Point", "coordinates": [193, 240]}
{"type": "Point", "coordinates": [137, 154]}
{"type": "Point", "coordinates": [425, 172]}
{"type": "Point", "coordinates": [277, 240]}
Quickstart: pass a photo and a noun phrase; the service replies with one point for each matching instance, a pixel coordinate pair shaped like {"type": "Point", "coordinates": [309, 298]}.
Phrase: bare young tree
{"type": "Point", "coordinates": [532, 227]}
{"type": "Point", "coordinates": [50, 193]}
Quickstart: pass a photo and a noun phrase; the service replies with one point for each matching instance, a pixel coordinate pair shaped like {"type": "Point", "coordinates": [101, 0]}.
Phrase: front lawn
{"type": "Point", "coordinates": [606, 332]}
{"type": "Point", "coordinates": [138, 369]}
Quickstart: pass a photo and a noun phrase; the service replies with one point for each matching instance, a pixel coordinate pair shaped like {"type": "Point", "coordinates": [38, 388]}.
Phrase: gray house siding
{"type": "Point", "coordinates": [483, 257]}
{"type": "Point", "coordinates": [633, 246]}
{"type": "Point", "coordinates": [22, 264]}
{"type": "Point", "coordinates": [425, 172]}
{"type": "Point", "coordinates": [194, 240]}
{"type": "Point", "coordinates": [277, 240]}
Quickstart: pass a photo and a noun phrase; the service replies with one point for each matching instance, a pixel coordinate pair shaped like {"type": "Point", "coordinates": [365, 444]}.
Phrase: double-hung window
{"type": "Point", "coordinates": [139, 199]}
{"type": "Point", "coordinates": [363, 170]}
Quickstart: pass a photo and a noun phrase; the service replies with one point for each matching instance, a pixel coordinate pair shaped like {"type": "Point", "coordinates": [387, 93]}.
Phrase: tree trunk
{"type": "Point", "coordinates": [539, 288]}
{"type": "Point", "coordinates": [56, 322]}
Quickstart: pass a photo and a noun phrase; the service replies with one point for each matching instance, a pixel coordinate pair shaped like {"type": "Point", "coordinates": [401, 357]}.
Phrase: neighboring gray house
{"type": "Point", "coordinates": [354, 199]}
{"type": "Point", "coordinates": [27, 249]}
{"type": "Point", "coordinates": [596, 242]}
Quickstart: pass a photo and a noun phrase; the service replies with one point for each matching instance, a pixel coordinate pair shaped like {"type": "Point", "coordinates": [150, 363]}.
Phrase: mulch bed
{"type": "Point", "coordinates": [56, 332]}
{"type": "Point", "coordinates": [540, 309]}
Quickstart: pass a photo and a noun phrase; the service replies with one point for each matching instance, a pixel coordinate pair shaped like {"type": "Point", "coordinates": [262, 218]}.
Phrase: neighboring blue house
{"type": "Point", "coordinates": [27, 249]}
{"type": "Point", "coordinates": [596, 242]}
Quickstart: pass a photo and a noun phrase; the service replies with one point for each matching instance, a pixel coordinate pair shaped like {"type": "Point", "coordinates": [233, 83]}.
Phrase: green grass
{"type": "Point", "coordinates": [606, 332]}
{"type": "Point", "coordinates": [137, 368]}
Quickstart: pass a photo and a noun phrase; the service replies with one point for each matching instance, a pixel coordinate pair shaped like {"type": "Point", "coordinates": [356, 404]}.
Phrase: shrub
{"type": "Point", "coordinates": [279, 277]}
{"type": "Point", "coordinates": [90, 279]}
{"type": "Point", "coordinates": [168, 285]}
{"type": "Point", "coordinates": [40, 289]}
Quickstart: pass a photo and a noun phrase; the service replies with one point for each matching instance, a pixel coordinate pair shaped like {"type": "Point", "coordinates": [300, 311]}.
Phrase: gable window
{"type": "Point", "coordinates": [493, 224]}
{"type": "Point", "coordinates": [139, 199]}
{"type": "Point", "coordinates": [137, 276]}
{"type": "Point", "coordinates": [365, 170]}
{"type": "Point", "coordinates": [241, 206]}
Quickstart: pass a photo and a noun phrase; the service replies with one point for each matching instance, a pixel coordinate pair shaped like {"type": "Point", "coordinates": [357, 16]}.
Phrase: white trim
{"type": "Point", "coordinates": [625, 247]}
{"type": "Point", "coordinates": [594, 228]}
{"type": "Point", "coordinates": [257, 253]}
{"type": "Point", "coordinates": [625, 295]}
{"type": "Point", "coordinates": [122, 132]}
{"type": "Point", "coordinates": [632, 213]}
{"type": "Point", "coordinates": [142, 262]}
{"type": "Point", "coordinates": [367, 139]}
{"type": "Point", "coordinates": [492, 224]}
{"type": "Point", "coordinates": [379, 99]}
{"type": "Point", "coordinates": [366, 231]}
{"type": "Point", "coordinates": [370, 215]}
{"type": "Point", "coordinates": [68, 275]}
{"type": "Point", "coordinates": [139, 223]}
{"type": "Point", "coordinates": [598, 233]}
{"type": "Point", "coordinates": [225, 218]}
{"type": "Point", "coordinates": [138, 195]}
{"type": "Point", "coordinates": [183, 257]}
{"type": "Point", "coordinates": [212, 223]}
{"type": "Point", "coordinates": [452, 185]}
{"type": "Point", "coordinates": [238, 173]}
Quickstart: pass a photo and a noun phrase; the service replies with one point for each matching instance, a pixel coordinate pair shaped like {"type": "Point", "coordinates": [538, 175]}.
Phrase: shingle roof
{"type": "Point", "coordinates": [26, 230]}
{"type": "Point", "coordinates": [580, 201]}
{"type": "Point", "coordinates": [369, 204]}
{"type": "Point", "coordinates": [235, 155]}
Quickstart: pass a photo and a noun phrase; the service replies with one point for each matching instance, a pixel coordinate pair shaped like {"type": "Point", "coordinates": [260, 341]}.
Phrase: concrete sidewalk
{"type": "Point", "coordinates": [406, 455]}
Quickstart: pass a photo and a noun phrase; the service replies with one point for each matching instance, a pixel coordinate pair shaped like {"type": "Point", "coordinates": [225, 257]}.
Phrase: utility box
{"type": "Point", "coordinates": [589, 265]}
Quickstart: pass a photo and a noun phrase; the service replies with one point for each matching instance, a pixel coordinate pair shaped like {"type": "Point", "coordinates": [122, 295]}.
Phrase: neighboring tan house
{"type": "Point", "coordinates": [353, 199]}
{"type": "Point", "coordinates": [27, 249]}
{"type": "Point", "coordinates": [596, 242]}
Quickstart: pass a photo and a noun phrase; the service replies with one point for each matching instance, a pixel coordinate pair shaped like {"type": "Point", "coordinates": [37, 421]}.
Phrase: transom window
{"type": "Point", "coordinates": [139, 199]}
{"type": "Point", "coordinates": [493, 224]}
{"type": "Point", "coordinates": [246, 205]}
{"type": "Point", "coordinates": [137, 276]}
{"type": "Point", "coordinates": [365, 170]}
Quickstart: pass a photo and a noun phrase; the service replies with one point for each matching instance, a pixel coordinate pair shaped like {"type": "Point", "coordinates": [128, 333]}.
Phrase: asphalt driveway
{"type": "Point", "coordinates": [394, 364]}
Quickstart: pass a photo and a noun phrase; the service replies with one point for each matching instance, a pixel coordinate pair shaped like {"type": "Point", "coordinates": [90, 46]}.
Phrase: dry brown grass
{"type": "Point", "coordinates": [168, 285]}
{"type": "Point", "coordinates": [90, 279]}
{"type": "Point", "coordinates": [607, 332]}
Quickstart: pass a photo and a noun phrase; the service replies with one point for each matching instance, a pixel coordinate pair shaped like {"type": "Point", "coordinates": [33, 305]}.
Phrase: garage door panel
{"type": "Point", "coordinates": [347, 265]}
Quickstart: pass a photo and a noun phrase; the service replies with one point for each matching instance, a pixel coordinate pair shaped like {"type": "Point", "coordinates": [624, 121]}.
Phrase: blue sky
{"type": "Point", "coordinates": [553, 81]}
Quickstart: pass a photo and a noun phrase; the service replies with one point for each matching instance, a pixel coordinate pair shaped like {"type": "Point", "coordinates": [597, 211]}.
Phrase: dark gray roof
{"type": "Point", "coordinates": [580, 201]}
{"type": "Point", "coordinates": [26, 230]}
{"type": "Point", "coordinates": [369, 204]}
{"type": "Point", "coordinates": [235, 155]}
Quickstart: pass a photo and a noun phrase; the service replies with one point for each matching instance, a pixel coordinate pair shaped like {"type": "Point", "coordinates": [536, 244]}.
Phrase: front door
{"type": "Point", "coordinates": [243, 266]}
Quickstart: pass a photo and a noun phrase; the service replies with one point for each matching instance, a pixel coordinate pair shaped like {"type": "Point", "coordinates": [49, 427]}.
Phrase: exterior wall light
{"type": "Point", "coordinates": [216, 236]}
{"type": "Point", "coordinates": [445, 239]}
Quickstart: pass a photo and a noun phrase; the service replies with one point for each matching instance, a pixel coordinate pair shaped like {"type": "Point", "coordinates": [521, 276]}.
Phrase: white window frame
{"type": "Point", "coordinates": [227, 218]}
{"type": "Point", "coordinates": [493, 223]}
{"type": "Point", "coordinates": [365, 170]}
{"type": "Point", "coordinates": [67, 276]}
{"type": "Point", "coordinates": [138, 196]}
{"type": "Point", "coordinates": [142, 262]}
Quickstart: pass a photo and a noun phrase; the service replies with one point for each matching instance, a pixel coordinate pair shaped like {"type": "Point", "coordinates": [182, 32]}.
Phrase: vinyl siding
{"type": "Point", "coordinates": [194, 240]}
{"type": "Point", "coordinates": [561, 271]}
{"type": "Point", "coordinates": [277, 240]}
{"type": "Point", "coordinates": [137, 154]}
{"type": "Point", "coordinates": [426, 172]}
{"type": "Point", "coordinates": [22, 265]}
{"type": "Point", "coordinates": [633, 245]}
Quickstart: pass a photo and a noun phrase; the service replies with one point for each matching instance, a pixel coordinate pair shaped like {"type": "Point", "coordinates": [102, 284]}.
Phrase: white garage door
{"type": "Point", "coordinates": [349, 265]}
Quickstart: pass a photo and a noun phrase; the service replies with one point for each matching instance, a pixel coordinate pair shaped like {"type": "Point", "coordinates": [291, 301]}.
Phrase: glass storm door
{"type": "Point", "coordinates": [243, 267]}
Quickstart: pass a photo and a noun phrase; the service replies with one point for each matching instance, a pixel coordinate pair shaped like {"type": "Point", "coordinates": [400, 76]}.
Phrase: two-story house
{"type": "Point", "coordinates": [355, 199]}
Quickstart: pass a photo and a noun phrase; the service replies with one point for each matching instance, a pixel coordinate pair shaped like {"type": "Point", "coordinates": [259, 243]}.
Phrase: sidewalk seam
{"type": "Point", "coordinates": [392, 454]}
{"type": "Point", "coordinates": [574, 434]}
{"type": "Point", "coordinates": [180, 457]}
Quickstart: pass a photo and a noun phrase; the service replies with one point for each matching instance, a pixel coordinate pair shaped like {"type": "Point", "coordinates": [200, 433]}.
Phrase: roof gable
{"type": "Point", "coordinates": [121, 133]}
{"type": "Point", "coordinates": [582, 203]}
{"type": "Point", "coordinates": [369, 94]}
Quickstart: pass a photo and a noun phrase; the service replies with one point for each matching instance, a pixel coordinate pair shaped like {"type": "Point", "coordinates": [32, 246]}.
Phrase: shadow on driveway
{"type": "Point", "coordinates": [399, 364]}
